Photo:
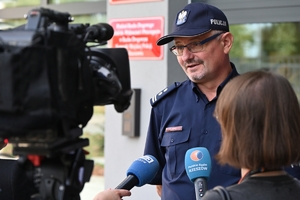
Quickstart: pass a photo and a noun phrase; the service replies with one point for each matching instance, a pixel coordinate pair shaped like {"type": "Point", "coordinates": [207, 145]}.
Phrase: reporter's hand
{"type": "Point", "coordinates": [158, 189]}
{"type": "Point", "coordinates": [112, 194]}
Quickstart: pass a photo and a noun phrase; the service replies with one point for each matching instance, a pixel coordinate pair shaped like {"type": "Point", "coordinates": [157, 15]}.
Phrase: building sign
{"type": "Point", "coordinates": [138, 36]}
{"type": "Point", "coordinates": [129, 1]}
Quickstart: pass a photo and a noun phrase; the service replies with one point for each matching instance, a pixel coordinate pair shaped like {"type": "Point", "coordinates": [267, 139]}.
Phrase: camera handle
{"type": "Point", "coordinates": [43, 17]}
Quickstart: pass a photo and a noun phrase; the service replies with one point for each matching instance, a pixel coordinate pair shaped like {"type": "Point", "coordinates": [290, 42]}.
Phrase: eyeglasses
{"type": "Point", "coordinates": [193, 47]}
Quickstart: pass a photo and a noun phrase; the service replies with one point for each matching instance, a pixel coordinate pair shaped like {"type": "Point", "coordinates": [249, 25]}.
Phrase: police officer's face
{"type": "Point", "coordinates": [201, 66]}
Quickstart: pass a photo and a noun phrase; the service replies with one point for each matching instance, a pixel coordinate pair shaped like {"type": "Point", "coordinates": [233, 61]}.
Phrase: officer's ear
{"type": "Point", "coordinates": [227, 41]}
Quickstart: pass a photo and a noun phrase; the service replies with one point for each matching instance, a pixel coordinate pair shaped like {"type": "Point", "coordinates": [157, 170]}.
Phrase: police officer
{"type": "Point", "coordinates": [182, 114]}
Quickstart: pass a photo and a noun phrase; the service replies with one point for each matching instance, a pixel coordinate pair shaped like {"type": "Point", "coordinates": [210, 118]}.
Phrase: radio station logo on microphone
{"type": "Point", "coordinates": [196, 155]}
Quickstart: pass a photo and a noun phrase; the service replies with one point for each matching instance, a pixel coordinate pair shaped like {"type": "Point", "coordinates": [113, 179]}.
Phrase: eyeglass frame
{"type": "Point", "coordinates": [174, 51]}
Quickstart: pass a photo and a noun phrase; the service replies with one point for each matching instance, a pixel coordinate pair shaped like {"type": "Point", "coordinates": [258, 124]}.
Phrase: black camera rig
{"type": "Point", "coordinates": [50, 79]}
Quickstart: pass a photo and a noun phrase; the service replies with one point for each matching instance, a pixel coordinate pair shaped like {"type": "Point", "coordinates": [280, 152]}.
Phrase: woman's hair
{"type": "Point", "coordinates": [259, 116]}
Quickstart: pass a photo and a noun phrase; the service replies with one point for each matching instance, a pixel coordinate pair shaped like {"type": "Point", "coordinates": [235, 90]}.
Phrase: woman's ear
{"type": "Point", "coordinates": [227, 41]}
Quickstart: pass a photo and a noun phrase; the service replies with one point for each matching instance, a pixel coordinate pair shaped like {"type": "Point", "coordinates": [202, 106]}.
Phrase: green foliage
{"type": "Point", "coordinates": [96, 147]}
{"type": "Point", "coordinates": [95, 135]}
{"type": "Point", "coordinates": [99, 110]}
{"type": "Point", "coordinates": [242, 37]}
{"type": "Point", "coordinates": [281, 39]}
{"type": "Point", "coordinates": [272, 46]}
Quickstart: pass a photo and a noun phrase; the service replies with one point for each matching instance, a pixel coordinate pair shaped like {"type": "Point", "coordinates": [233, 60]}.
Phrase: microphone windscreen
{"type": "Point", "coordinates": [107, 30]}
{"type": "Point", "coordinates": [144, 168]}
{"type": "Point", "coordinates": [197, 163]}
{"type": "Point", "coordinates": [100, 31]}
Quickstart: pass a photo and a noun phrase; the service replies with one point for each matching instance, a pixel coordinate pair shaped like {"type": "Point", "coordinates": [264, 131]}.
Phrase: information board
{"type": "Point", "coordinates": [138, 36]}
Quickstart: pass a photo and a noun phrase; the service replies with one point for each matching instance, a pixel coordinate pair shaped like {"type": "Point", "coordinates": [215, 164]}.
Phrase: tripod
{"type": "Point", "coordinates": [60, 173]}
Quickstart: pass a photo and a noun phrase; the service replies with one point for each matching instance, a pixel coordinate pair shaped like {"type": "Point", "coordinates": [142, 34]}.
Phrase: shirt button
{"type": "Point", "coordinates": [172, 140]}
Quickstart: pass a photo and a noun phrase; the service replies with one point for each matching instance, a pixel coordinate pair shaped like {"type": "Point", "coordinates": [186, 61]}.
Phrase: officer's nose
{"type": "Point", "coordinates": [186, 54]}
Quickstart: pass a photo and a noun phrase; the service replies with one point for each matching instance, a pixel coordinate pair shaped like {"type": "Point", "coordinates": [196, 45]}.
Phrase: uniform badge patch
{"type": "Point", "coordinates": [174, 129]}
{"type": "Point", "coordinates": [163, 93]}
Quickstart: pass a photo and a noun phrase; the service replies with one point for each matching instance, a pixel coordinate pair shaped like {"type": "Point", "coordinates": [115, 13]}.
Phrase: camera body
{"type": "Point", "coordinates": [50, 79]}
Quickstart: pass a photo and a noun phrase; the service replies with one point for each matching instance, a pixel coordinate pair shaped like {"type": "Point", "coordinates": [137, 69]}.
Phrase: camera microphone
{"type": "Point", "coordinates": [140, 172]}
{"type": "Point", "coordinates": [198, 167]}
{"type": "Point", "coordinates": [100, 32]}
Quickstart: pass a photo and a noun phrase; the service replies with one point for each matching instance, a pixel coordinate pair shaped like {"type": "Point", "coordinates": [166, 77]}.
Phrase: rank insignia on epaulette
{"type": "Point", "coordinates": [162, 93]}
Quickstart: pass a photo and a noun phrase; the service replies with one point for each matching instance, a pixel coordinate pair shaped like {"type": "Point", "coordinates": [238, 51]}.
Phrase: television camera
{"type": "Point", "coordinates": [50, 79]}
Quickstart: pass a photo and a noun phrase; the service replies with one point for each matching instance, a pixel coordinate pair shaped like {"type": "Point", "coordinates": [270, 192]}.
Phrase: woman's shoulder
{"type": "Point", "coordinates": [258, 188]}
{"type": "Point", "coordinates": [234, 192]}
{"type": "Point", "coordinates": [212, 195]}
{"type": "Point", "coordinates": [218, 192]}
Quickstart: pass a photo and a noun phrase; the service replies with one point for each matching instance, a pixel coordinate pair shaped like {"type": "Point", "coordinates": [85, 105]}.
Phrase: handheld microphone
{"type": "Point", "coordinates": [100, 32]}
{"type": "Point", "coordinates": [140, 172]}
{"type": "Point", "coordinates": [198, 167]}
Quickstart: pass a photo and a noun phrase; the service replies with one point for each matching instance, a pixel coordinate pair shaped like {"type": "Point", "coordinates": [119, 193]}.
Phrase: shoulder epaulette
{"type": "Point", "coordinates": [164, 93]}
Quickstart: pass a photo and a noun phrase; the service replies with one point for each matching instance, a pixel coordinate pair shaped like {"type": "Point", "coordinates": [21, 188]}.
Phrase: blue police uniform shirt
{"type": "Point", "coordinates": [182, 118]}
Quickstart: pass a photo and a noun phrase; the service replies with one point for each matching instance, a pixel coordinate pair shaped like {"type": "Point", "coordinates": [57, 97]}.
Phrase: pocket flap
{"type": "Point", "coordinates": [174, 138]}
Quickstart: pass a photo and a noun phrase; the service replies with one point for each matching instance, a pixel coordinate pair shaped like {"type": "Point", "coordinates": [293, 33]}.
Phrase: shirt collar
{"type": "Point", "coordinates": [199, 94]}
{"type": "Point", "coordinates": [233, 74]}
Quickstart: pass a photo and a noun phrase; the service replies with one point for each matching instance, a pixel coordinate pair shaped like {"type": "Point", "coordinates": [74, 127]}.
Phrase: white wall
{"type": "Point", "coordinates": [150, 77]}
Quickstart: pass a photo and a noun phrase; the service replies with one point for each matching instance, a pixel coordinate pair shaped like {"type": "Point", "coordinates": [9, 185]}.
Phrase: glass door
{"type": "Point", "coordinates": [270, 46]}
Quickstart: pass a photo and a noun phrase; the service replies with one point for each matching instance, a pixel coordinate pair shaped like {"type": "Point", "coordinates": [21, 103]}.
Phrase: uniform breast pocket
{"type": "Point", "coordinates": [175, 145]}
